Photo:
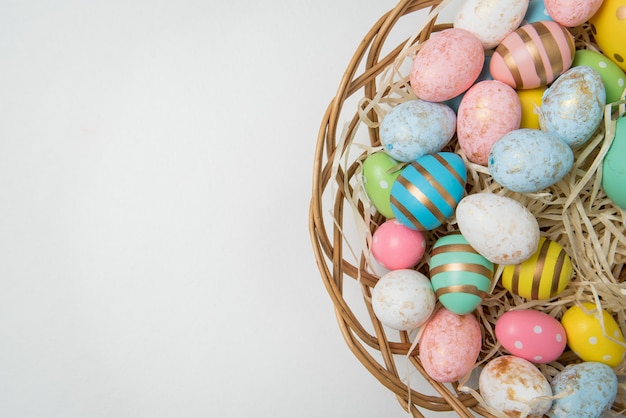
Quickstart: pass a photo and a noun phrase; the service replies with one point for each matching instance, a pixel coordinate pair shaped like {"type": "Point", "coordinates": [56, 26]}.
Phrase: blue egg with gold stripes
{"type": "Point", "coordinates": [427, 191]}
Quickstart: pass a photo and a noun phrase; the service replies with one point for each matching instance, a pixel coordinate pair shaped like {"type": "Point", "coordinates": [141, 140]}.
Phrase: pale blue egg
{"type": "Point", "coordinates": [573, 106]}
{"type": "Point", "coordinates": [528, 160]}
{"type": "Point", "coordinates": [592, 389]}
{"type": "Point", "coordinates": [536, 12]}
{"type": "Point", "coordinates": [416, 128]}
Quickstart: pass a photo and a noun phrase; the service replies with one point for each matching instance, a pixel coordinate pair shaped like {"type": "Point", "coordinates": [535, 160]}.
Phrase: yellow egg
{"type": "Point", "coordinates": [529, 99]}
{"type": "Point", "coordinates": [609, 28]}
{"type": "Point", "coordinates": [544, 275]}
{"type": "Point", "coordinates": [585, 337]}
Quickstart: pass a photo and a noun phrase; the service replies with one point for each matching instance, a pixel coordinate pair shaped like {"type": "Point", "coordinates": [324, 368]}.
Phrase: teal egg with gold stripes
{"type": "Point", "coordinates": [460, 276]}
{"type": "Point", "coordinates": [427, 191]}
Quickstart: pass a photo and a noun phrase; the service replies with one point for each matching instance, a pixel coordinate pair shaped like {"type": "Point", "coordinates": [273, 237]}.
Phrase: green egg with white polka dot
{"type": "Point", "coordinates": [378, 177]}
{"type": "Point", "coordinates": [612, 75]}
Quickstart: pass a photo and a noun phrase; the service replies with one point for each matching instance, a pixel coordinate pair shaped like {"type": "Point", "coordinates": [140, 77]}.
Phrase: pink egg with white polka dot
{"type": "Point", "coordinates": [396, 246]}
{"type": "Point", "coordinates": [531, 335]}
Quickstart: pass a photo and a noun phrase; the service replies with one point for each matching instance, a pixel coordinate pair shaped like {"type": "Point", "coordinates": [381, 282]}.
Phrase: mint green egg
{"type": "Point", "coordinates": [460, 276]}
{"type": "Point", "coordinates": [613, 167]}
{"type": "Point", "coordinates": [378, 180]}
{"type": "Point", "coordinates": [612, 75]}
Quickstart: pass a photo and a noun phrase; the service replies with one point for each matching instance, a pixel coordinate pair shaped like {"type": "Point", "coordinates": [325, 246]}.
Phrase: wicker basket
{"type": "Point", "coordinates": [341, 222]}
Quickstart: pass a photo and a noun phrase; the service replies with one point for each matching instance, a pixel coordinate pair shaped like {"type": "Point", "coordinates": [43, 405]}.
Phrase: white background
{"type": "Point", "coordinates": [155, 176]}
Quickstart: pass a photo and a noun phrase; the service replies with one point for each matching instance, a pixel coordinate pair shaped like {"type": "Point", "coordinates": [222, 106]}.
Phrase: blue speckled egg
{"type": "Point", "coordinates": [573, 106]}
{"type": "Point", "coordinates": [593, 389]}
{"type": "Point", "coordinates": [528, 160]}
{"type": "Point", "coordinates": [536, 11]}
{"type": "Point", "coordinates": [416, 128]}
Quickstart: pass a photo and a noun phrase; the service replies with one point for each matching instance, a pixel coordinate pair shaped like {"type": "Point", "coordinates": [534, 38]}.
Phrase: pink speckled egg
{"type": "Point", "coordinates": [488, 110]}
{"type": "Point", "coordinates": [450, 345]}
{"type": "Point", "coordinates": [396, 246]}
{"type": "Point", "coordinates": [572, 13]}
{"type": "Point", "coordinates": [447, 65]}
{"type": "Point", "coordinates": [531, 335]}
{"type": "Point", "coordinates": [533, 56]}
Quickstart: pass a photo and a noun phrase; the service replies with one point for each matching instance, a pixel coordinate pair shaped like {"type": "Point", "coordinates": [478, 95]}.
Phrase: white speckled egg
{"type": "Point", "coordinates": [592, 389]}
{"type": "Point", "coordinates": [490, 20]}
{"type": "Point", "coordinates": [573, 106]}
{"type": "Point", "coordinates": [528, 160]}
{"type": "Point", "coordinates": [416, 128]}
{"type": "Point", "coordinates": [500, 228]}
{"type": "Point", "coordinates": [509, 384]}
{"type": "Point", "coordinates": [403, 299]}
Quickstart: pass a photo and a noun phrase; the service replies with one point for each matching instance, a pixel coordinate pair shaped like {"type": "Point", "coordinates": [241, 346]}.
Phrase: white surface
{"type": "Point", "coordinates": [155, 174]}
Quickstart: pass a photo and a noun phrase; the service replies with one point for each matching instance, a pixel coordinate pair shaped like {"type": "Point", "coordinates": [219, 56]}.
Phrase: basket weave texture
{"type": "Point", "coordinates": [576, 208]}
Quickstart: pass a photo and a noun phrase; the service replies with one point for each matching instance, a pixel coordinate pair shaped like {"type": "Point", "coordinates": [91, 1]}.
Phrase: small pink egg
{"type": "Point", "coordinates": [396, 246]}
{"type": "Point", "coordinates": [488, 110]}
{"type": "Point", "coordinates": [447, 65]}
{"type": "Point", "coordinates": [571, 13]}
{"type": "Point", "coordinates": [532, 335]}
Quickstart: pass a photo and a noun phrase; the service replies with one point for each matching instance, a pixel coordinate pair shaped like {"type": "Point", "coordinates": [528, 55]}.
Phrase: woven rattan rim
{"type": "Point", "coordinates": [328, 240]}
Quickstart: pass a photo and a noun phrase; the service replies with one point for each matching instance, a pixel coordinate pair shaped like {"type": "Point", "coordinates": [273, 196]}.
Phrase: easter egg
{"type": "Point", "coordinates": [427, 190]}
{"type": "Point", "coordinates": [572, 13]}
{"type": "Point", "coordinates": [489, 109]}
{"type": "Point", "coordinates": [536, 11]}
{"type": "Point", "coordinates": [403, 299]}
{"type": "Point", "coordinates": [531, 335]}
{"type": "Point", "coordinates": [397, 247]}
{"type": "Point", "coordinates": [512, 385]}
{"type": "Point", "coordinates": [608, 26]}
{"type": "Point", "coordinates": [449, 345]}
{"type": "Point", "coordinates": [530, 100]}
{"type": "Point", "coordinates": [585, 336]}
{"type": "Point", "coordinates": [416, 128]}
{"type": "Point", "coordinates": [573, 106]}
{"type": "Point", "coordinates": [529, 160]}
{"type": "Point", "coordinates": [500, 228]}
{"type": "Point", "coordinates": [446, 65]}
{"type": "Point", "coordinates": [542, 276]}
{"type": "Point", "coordinates": [533, 55]}
{"type": "Point", "coordinates": [490, 21]}
{"type": "Point", "coordinates": [591, 389]}
{"type": "Point", "coordinates": [378, 178]}
{"type": "Point", "coordinates": [612, 76]}
{"type": "Point", "coordinates": [613, 168]}
{"type": "Point", "coordinates": [460, 276]}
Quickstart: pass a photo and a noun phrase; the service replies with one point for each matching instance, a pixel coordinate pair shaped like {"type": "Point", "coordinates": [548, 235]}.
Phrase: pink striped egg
{"type": "Point", "coordinates": [533, 56]}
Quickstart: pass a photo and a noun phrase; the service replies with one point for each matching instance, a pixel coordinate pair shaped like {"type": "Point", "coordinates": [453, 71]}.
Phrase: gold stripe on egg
{"type": "Point", "coordinates": [453, 248]}
{"type": "Point", "coordinates": [515, 279]}
{"type": "Point", "coordinates": [460, 288]}
{"type": "Point", "coordinates": [558, 271]}
{"type": "Point", "coordinates": [510, 63]}
{"type": "Point", "coordinates": [552, 48]}
{"type": "Point", "coordinates": [464, 267]}
{"type": "Point", "coordinates": [532, 50]}
{"type": "Point", "coordinates": [451, 169]}
{"type": "Point", "coordinates": [541, 262]}
{"type": "Point", "coordinates": [438, 187]}
{"type": "Point", "coordinates": [407, 214]}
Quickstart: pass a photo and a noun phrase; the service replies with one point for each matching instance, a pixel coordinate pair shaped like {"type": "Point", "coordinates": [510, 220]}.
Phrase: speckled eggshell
{"type": "Point", "coordinates": [509, 384]}
{"type": "Point", "coordinates": [416, 128]}
{"type": "Point", "coordinates": [613, 77]}
{"type": "Point", "coordinates": [397, 247]}
{"type": "Point", "coordinates": [490, 21]}
{"type": "Point", "coordinates": [529, 160]}
{"type": "Point", "coordinates": [591, 387]}
{"type": "Point", "coordinates": [403, 299]}
{"type": "Point", "coordinates": [450, 345]}
{"type": "Point", "coordinates": [531, 335]}
{"type": "Point", "coordinates": [572, 13]}
{"type": "Point", "coordinates": [573, 106]}
{"type": "Point", "coordinates": [447, 65]}
{"type": "Point", "coordinates": [500, 228]}
{"type": "Point", "coordinates": [489, 109]}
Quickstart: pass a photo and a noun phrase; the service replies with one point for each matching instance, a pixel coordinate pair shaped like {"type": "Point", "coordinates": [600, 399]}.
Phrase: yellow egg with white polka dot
{"type": "Point", "coordinates": [608, 26]}
{"type": "Point", "coordinates": [530, 100]}
{"type": "Point", "coordinates": [585, 336]}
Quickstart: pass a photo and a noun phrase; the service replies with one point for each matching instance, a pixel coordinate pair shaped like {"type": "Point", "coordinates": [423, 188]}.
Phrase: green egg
{"type": "Point", "coordinates": [378, 180]}
{"type": "Point", "coordinates": [613, 167]}
{"type": "Point", "coordinates": [613, 77]}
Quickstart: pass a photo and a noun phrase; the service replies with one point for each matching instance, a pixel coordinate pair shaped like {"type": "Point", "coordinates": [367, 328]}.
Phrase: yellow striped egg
{"type": "Point", "coordinates": [544, 275]}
